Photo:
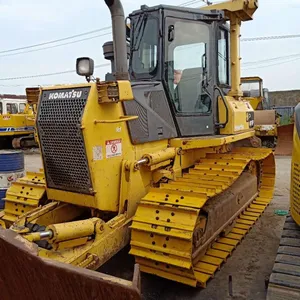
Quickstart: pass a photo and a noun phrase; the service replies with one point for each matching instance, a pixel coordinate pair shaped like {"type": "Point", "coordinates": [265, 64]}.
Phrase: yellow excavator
{"type": "Point", "coordinates": [16, 123]}
{"type": "Point", "coordinates": [17, 128]}
{"type": "Point", "coordinates": [172, 167]}
{"type": "Point", "coordinates": [284, 282]}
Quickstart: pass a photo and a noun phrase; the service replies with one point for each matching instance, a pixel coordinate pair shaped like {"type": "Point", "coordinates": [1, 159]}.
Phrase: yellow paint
{"type": "Point", "coordinates": [121, 190]}
{"type": "Point", "coordinates": [20, 120]}
{"type": "Point", "coordinates": [23, 196]}
{"type": "Point", "coordinates": [16, 121]}
{"type": "Point", "coordinates": [295, 178]}
{"type": "Point", "coordinates": [237, 116]}
{"type": "Point", "coordinates": [196, 143]}
{"type": "Point", "coordinates": [166, 218]}
{"type": "Point", "coordinates": [263, 130]}
{"type": "Point", "coordinates": [113, 92]}
{"type": "Point", "coordinates": [236, 11]}
{"type": "Point", "coordinates": [254, 101]}
{"type": "Point", "coordinates": [72, 230]}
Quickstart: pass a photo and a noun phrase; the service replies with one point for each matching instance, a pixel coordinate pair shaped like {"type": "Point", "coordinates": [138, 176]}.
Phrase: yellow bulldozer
{"type": "Point", "coordinates": [284, 282]}
{"type": "Point", "coordinates": [171, 167]}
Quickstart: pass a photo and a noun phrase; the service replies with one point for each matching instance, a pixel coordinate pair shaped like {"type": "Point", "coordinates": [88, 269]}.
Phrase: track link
{"type": "Point", "coordinates": [284, 281]}
{"type": "Point", "coordinates": [23, 196]}
{"type": "Point", "coordinates": [164, 224]}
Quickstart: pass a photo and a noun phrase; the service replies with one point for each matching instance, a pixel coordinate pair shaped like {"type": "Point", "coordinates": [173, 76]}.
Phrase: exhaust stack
{"type": "Point", "coordinates": [119, 38]}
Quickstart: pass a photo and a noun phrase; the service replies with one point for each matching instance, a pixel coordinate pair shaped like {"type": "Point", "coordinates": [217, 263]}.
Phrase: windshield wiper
{"type": "Point", "coordinates": [140, 29]}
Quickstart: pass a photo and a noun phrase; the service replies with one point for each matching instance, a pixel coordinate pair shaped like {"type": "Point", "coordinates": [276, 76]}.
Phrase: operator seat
{"type": "Point", "coordinates": [189, 89]}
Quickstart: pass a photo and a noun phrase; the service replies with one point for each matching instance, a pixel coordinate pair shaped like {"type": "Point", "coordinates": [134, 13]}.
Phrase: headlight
{"type": "Point", "coordinates": [84, 66]}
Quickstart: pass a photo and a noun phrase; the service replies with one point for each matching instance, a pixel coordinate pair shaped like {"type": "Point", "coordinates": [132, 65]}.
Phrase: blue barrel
{"type": "Point", "coordinates": [11, 168]}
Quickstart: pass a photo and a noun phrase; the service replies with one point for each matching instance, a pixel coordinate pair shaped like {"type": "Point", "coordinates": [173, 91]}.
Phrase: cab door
{"type": "Point", "coordinates": [187, 75]}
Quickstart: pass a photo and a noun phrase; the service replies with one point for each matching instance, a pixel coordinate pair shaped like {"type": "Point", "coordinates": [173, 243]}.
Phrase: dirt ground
{"type": "Point", "coordinates": [249, 266]}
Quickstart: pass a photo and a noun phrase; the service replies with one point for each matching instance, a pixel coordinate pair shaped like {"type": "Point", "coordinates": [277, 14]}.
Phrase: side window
{"type": "Point", "coordinates": [188, 60]}
{"type": "Point", "coordinates": [144, 57]}
{"type": "Point", "coordinates": [1, 108]}
{"type": "Point", "coordinates": [12, 108]}
{"type": "Point", "coordinates": [22, 107]}
{"type": "Point", "coordinates": [223, 57]}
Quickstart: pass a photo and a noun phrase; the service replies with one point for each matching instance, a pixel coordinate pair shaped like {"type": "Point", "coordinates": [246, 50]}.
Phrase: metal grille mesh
{"type": "Point", "coordinates": [61, 139]}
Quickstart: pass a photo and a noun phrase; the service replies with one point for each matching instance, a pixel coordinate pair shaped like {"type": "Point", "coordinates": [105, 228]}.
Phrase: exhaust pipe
{"type": "Point", "coordinates": [119, 38]}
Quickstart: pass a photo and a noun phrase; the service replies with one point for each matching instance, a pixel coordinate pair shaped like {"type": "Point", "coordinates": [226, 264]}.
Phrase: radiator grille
{"type": "Point", "coordinates": [61, 139]}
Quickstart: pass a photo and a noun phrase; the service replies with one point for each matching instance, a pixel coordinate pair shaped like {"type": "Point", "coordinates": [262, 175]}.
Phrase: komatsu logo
{"type": "Point", "coordinates": [66, 95]}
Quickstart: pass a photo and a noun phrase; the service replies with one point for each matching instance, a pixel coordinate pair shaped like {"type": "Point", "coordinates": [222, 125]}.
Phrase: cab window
{"type": "Point", "coordinates": [11, 108]}
{"type": "Point", "coordinates": [1, 108]}
{"type": "Point", "coordinates": [223, 58]}
{"type": "Point", "coordinates": [144, 48]}
{"type": "Point", "coordinates": [188, 61]}
{"type": "Point", "coordinates": [22, 107]}
{"type": "Point", "coordinates": [251, 88]}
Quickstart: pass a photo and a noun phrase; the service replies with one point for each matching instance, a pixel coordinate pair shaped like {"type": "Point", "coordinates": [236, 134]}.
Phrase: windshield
{"type": "Point", "coordinates": [187, 62]}
{"type": "Point", "coordinates": [251, 89]}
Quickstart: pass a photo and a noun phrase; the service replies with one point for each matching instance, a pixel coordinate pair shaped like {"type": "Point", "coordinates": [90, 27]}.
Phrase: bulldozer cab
{"type": "Point", "coordinates": [167, 40]}
{"type": "Point", "coordinates": [252, 88]}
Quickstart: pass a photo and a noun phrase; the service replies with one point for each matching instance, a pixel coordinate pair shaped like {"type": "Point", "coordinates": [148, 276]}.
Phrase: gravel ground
{"type": "Point", "coordinates": [249, 266]}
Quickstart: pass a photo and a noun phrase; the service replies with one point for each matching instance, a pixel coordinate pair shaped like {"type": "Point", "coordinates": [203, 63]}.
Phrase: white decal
{"type": "Point", "coordinates": [65, 95]}
{"type": "Point", "coordinates": [118, 129]}
{"type": "Point", "coordinates": [239, 127]}
{"type": "Point", "coordinates": [97, 153]}
{"type": "Point", "coordinates": [266, 127]}
{"type": "Point", "coordinates": [113, 148]}
{"type": "Point", "coordinates": [7, 178]}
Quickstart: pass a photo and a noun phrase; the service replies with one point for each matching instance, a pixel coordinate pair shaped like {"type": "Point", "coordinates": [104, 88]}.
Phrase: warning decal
{"type": "Point", "coordinates": [97, 153]}
{"type": "Point", "coordinates": [113, 148]}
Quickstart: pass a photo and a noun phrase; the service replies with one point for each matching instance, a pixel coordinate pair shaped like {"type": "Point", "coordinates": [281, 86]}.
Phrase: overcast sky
{"type": "Point", "coordinates": [28, 22]}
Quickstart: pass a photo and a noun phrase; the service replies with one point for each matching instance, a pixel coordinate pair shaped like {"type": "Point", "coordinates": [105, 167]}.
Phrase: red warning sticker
{"type": "Point", "coordinates": [113, 148]}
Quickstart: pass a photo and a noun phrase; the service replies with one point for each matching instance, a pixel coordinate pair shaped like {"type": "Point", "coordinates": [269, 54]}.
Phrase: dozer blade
{"type": "Point", "coordinates": [284, 140]}
{"type": "Point", "coordinates": [24, 275]}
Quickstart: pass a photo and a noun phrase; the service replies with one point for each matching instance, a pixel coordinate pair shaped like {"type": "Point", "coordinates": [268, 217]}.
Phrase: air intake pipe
{"type": "Point", "coordinates": [119, 38]}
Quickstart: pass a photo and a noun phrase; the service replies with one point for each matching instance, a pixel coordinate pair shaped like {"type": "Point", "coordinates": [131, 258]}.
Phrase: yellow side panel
{"type": "Point", "coordinates": [108, 144]}
{"type": "Point", "coordinates": [72, 198]}
{"type": "Point", "coordinates": [238, 115]}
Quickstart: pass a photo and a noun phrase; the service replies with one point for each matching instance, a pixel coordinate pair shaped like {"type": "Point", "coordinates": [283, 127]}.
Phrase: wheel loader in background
{"type": "Point", "coordinates": [284, 282]}
{"type": "Point", "coordinates": [16, 125]}
{"type": "Point", "coordinates": [265, 117]}
{"type": "Point", "coordinates": [173, 169]}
